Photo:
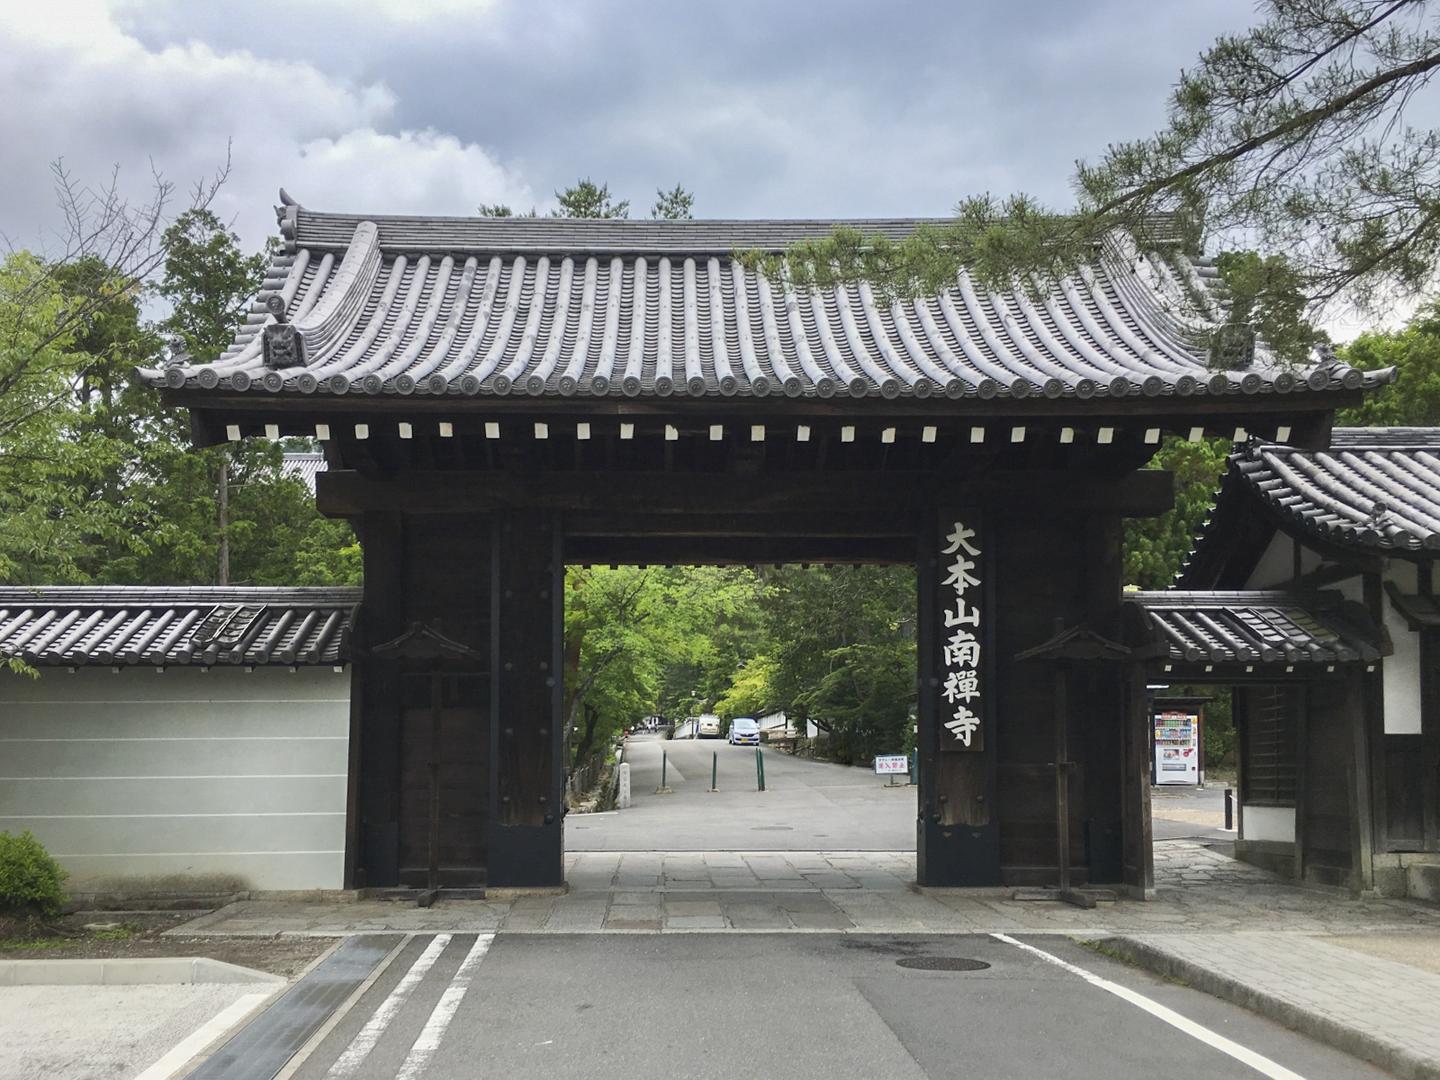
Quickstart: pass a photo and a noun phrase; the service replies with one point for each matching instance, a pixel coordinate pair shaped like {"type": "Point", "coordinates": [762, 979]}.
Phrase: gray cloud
{"type": "Point", "coordinates": [762, 108]}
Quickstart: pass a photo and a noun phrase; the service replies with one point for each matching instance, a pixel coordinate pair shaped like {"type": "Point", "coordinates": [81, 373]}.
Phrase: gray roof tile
{"type": "Point", "coordinates": [539, 307]}
{"type": "Point", "coordinates": [1261, 630]}
{"type": "Point", "coordinates": [1374, 488]}
{"type": "Point", "coordinates": [160, 626]}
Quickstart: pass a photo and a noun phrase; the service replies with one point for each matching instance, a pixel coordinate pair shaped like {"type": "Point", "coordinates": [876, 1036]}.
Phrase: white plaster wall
{"type": "Point", "coordinates": [1401, 670]}
{"type": "Point", "coordinates": [1276, 823]}
{"type": "Point", "coordinates": [138, 779]}
{"type": "Point", "coordinates": [1277, 566]}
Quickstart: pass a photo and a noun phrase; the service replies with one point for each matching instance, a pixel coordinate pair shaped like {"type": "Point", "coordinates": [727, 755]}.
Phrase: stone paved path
{"type": "Point", "coordinates": [1382, 1010]}
{"type": "Point", "coordinates": [1197, 891]}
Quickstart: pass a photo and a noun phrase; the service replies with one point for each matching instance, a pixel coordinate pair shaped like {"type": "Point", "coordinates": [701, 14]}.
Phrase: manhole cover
{"type": "Point", "coordinates": [942, 963]}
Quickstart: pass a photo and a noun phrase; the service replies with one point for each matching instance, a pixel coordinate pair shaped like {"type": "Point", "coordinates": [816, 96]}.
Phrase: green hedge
{"type": "Point", "coordinates": [31, 881]}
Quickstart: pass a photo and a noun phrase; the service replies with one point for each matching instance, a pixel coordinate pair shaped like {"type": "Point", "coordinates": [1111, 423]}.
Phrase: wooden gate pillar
{"type": "Point", "coordinates": [526, 772]}
{"type": "Point", "coordinates": [958, 833]}
{"type": "Point", "coordinates": [372, 834]}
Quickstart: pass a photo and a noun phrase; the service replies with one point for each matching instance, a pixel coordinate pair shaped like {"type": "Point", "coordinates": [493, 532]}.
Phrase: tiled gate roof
{"type": "Point", "coordinates": [430, 306]}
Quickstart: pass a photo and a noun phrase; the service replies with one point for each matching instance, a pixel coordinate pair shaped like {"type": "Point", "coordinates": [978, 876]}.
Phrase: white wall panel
{"type": "Point", "coordinates": [137, 778]}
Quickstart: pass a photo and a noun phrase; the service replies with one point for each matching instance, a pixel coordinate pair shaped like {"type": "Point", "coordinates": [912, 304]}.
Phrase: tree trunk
{"type": "Point", "coordinates": [592, 720]}
{"type": "Point", "coordinates": [223, 499]}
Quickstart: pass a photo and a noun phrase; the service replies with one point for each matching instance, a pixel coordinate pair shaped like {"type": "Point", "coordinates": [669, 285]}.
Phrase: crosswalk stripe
{"type": "Point", "coordinates": [428, 1041]}
{"type": "Point", "coordinates": [359, 1049]}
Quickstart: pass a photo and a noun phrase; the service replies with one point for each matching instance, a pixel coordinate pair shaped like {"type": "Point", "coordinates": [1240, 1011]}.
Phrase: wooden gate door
{"type": "Point", "coordinates": [444, 775]}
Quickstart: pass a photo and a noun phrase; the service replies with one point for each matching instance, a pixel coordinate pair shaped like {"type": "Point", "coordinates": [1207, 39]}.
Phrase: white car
{"type": "Point", "coordinates": [708, 726]}
{"type": "Point", "coordinates": [744, 732]}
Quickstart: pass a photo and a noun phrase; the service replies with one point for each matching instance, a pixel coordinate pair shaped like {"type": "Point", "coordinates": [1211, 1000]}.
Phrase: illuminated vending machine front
{"type": "Point", "coordinates": [1177, 747]}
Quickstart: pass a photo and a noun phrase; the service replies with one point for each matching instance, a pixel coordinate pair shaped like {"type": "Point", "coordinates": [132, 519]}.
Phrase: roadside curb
{"type": "Point", "coordinates": [148, 971]}
{"type": "Point", "coordinates": [1352, 1040]}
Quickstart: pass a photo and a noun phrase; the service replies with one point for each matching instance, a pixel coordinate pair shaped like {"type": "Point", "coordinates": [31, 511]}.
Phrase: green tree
{"type": "Point", "coordinates": [587, 199]}
{"type": "Point", "coordinates": [1155, 548]}
{"type": "Point", "coordinates": [842, 645]}
{"type": "Point", "coordinates": [48, 464]}
{"type": "Point", "coordinates": [1413, 400]}
{"type": "Point", "coordinates": [673, 205]}
{"type": "Point", "coordinates": [1296, 134]}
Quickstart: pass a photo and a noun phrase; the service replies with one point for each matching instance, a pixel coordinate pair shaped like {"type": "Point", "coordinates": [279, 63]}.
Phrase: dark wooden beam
{"type": "Point", "coordinates": [1214, 412]}
{"type": "Point", "coordinates": [346, 493]}
{"type": "Point", "coordinates": [615, 524]}
{"type": "Point", "coordinates": [737, 551]}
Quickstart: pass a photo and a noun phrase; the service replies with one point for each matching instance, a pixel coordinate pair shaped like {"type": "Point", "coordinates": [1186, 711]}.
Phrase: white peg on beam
{"type": "Point", "coordinates": [1196, 434]}
{"type": "Point", "coordinates": [847, 433]}
{"type": "Point", "coordinates": [1067, 435]}
{"type": "Point", "coordinates": [272, 432]}
{"type": "Point", "coordinates": [232, 432]}
{"type": "Point", "coordinates": [1152, 435]}
{"type": "Point", "coordinates": [1240, 435]}
{"type": "Point", "coordinates": [447, 429]}
{"type": "Point", "coordinates": [362, 431]}
{"type": "Point", "coordinates": [1282, 433]}
{"type": "Point", "coordinates": [582, 430]}
{"type": "Point", "coordinates": [672, 433]}
{"type": "Point", "coordinates": [322, 432]}
{"type": "Point", "coordinates": [1106, 436]}
{"type": "Point", "coordinates": [887, 435]}
{"type": "Point", "coordinates": [977, 434]}
{"type": "Point", "coordinates": [802, 433]}
{"type": "Point", "coordinates": [492, 429]}
{"type": "Point", "coordinates": [757, 432]}
{"type": "Point", "coordinates": [627, 431]}
{"type": "Point", "coordinates": [1017, 433]}
{"type": "Point", "coordinates": [928, 433]}
{"type": "Point", "coordinates": [542, 429]}
{"type": "Point", "coordinates": [717, 432]}
{"type": "Point", "coordinates": [406, 430]}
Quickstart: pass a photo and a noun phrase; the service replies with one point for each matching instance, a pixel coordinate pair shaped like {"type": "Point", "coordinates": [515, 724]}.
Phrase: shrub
{"type": "Point", "coordinates": [30, 879]}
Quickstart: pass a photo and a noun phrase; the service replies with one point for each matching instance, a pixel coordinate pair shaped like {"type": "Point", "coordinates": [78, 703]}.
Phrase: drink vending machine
{"type": "Point", "coordinates": [1177, 757]}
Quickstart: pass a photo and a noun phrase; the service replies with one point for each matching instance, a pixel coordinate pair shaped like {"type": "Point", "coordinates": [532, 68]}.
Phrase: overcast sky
{"type": "Point", "coordinates": [779, 108]}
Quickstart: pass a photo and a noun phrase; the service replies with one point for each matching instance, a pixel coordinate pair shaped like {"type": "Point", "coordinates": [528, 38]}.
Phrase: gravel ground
{"type": "Point", "coordinates": [279, 956]}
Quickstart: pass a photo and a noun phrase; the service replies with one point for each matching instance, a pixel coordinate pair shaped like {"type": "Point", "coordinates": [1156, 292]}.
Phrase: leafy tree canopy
{"type": "Point", "coordinates": [1413, 400]}
{"type": "Point", "coordinates": [673, 205]}
{"type": "Point", "coordinates": [1293, 137]}
{"type": "Point", "coordinates": [587, 199]}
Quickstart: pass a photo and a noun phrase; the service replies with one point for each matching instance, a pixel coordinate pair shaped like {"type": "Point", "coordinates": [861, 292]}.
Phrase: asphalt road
{"type": "Point", "coordinates": [831, 1006]}
{"type": "Point", "coordinates": [807, 805]}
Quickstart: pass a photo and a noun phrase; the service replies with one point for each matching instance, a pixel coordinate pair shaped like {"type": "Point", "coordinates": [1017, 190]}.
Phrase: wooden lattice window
{"type": "Point", "coordinates": [1267, 773]}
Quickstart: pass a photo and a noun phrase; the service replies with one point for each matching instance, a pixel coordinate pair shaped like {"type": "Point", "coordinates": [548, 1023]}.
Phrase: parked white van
{"type": "Point", "coordinates": [708, 726]}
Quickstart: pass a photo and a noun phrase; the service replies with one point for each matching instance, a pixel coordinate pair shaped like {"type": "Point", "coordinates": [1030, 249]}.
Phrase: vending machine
{"type": "Point", "coordinates": [1177, 744]}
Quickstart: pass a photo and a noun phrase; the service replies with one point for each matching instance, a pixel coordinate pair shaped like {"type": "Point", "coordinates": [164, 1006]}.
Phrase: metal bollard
{"type": "Point", "coordinates": [714, 769]}
{"type": "Point", "coordinates": [759, 770]}
{"type": "Point", "coordinates": [1229, 808]}
{"type": "Point", "coordinates": [664, 788]}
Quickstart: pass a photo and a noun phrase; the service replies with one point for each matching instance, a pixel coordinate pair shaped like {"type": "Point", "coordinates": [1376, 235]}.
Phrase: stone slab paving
{"type": "Point", "coordinates": [1198, 890]}
{"type": "Point", "coordinates": [1378, 1009]}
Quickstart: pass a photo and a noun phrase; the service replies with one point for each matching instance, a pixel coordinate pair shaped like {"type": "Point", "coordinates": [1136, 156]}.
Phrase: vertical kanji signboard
{"type": "Point", "coordinates": [962, 612]}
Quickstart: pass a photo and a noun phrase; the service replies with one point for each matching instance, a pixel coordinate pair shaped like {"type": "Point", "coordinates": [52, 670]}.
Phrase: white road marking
{"type": "Point", "coordinates": [348, 1063]}
{"type": "Point", "coordinates": [1259, 1062]}
{"type": "Point", "coordinates": [301, 1056]}
{"type": "Point", "coordinates": [428, 1041]}
{"type": "Point", "coordinates": [181, 1053]}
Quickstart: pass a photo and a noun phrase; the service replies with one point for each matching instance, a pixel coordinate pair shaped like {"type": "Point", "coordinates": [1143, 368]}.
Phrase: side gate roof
{"type": "Point", "coordinates": [1373, 491]}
